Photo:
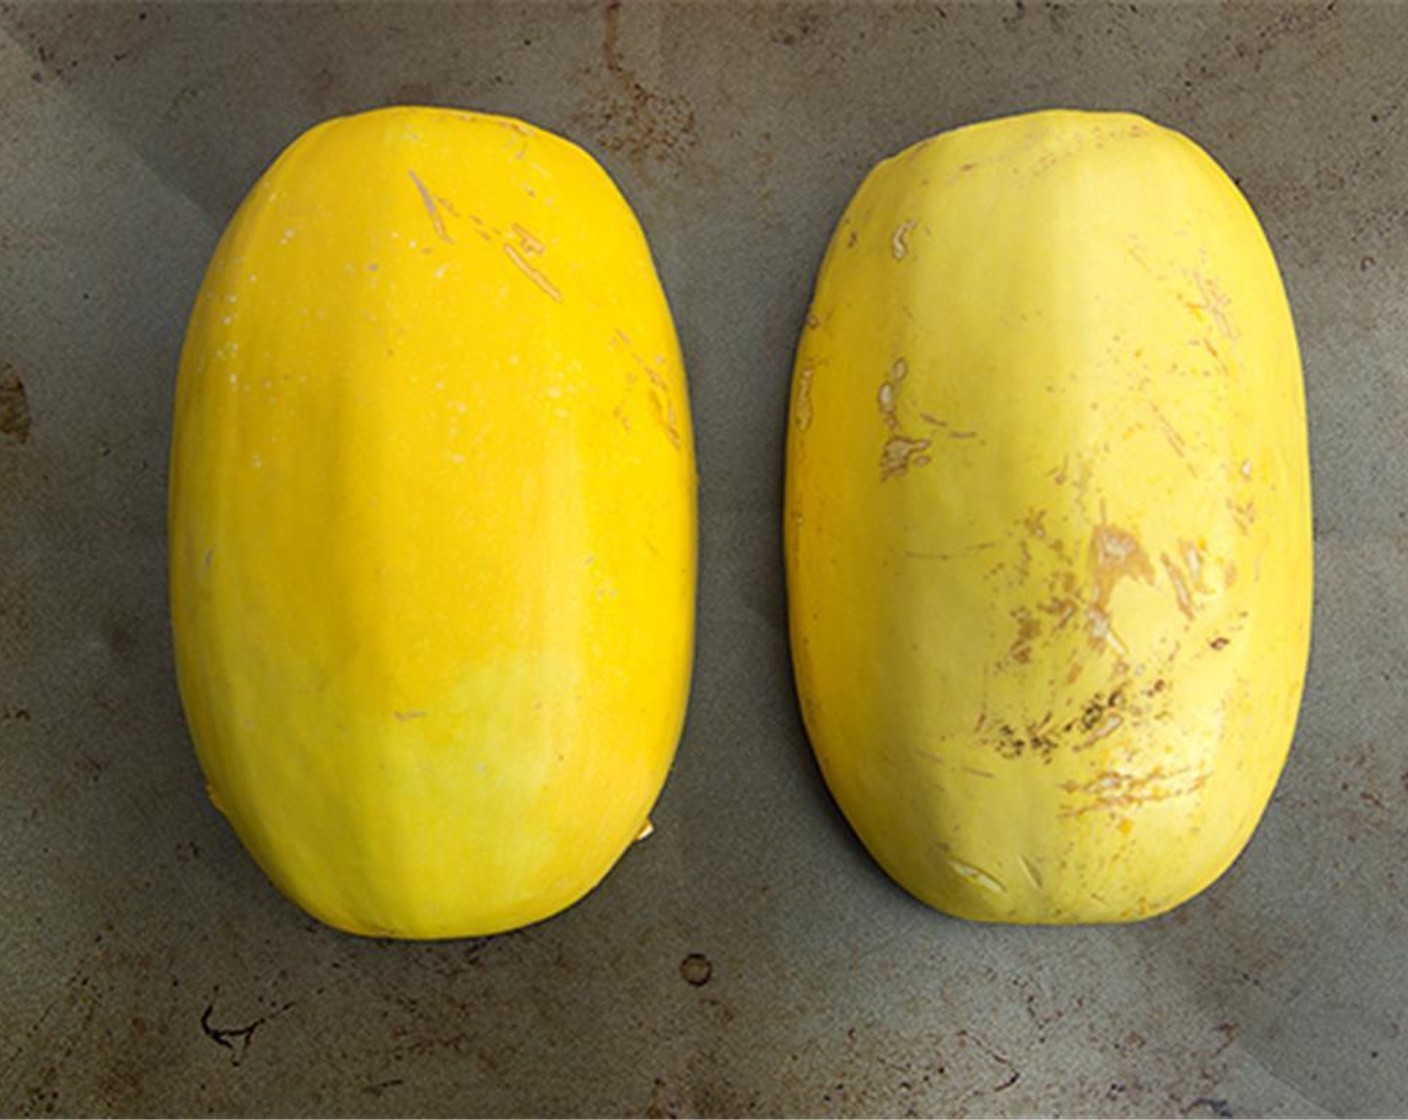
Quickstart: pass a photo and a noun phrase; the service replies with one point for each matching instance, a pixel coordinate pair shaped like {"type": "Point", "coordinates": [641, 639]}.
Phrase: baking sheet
{"type": "Point", "coordinates": [748, 958]}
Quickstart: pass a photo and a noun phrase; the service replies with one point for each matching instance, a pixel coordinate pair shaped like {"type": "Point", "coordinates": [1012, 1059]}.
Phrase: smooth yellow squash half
{"type": "Point", "coordinates": [1048, 522]}
{"type": "Point", "coordinates": [432, 524]}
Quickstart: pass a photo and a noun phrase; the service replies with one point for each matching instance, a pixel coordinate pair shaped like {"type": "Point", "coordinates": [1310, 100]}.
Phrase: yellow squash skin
{"type": "Point", "coordinates": [1048, 523]}
{"type": "Point", "coordinates": [432, 524]}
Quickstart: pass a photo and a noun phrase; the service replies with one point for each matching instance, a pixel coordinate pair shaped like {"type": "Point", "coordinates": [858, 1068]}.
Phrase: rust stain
{"type": "Point", "coordinates": [15, 418]}
{"type": "Point", "coordinates": [432, 208]}
{"type": "Point", "coordinates": [629, 117]}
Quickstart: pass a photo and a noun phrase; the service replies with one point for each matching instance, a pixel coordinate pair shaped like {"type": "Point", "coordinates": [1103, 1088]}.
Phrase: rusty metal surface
{"type": "Point", "coordinates": [747, 959]}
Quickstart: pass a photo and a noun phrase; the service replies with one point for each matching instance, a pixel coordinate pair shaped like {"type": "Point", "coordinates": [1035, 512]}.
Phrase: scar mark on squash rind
{"type": "Point", "coordinates": [532, 273]}
{"type": "Point", "coordinates": [1180, 586]}
{"type": "Point", "coordinates": [665, 414]}
{"type": "Point", "coordinates": [531, 245]}
{"type": "Point", "coordinates": [802, 409]}
{"type": "Point", "coordinates": [899, 248]}
{"type": "Point", "coordinates": [432, 208]}
{"type": "Point", "coordinates": [660, 401]}
{"type": "Point", "coordinates": [1243, 513]}
{"type": "Point", "coordinates": [900, 452]}
{"type": "Point", "coordinates": [888, 394]}
{"type": "Point", "coordinates": [410, 713]}
{"type": "Point", "coordinates": [1115, 554]}
{"type": "Point", "coordinates": [1216, 303]}
{"type": "Point", "coordinates": [1175, 440]}
{"type": "Point", "coordinates": [1115, 790]}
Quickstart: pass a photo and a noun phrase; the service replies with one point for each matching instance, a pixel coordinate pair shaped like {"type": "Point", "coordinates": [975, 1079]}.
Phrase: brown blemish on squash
{"type": "Point", "coordinates": [1099, 717]}
{"type": "Point", "coordinates": [1219, 643]}
{"type": "Point", "coordinates": [1028, 630]}
{"type": "Point", "coordinates": [1229, 574]}
{"type": "Point", "coordinates": [1036, 738]}
{"type": "Point", "coordinates": [1062, 610]}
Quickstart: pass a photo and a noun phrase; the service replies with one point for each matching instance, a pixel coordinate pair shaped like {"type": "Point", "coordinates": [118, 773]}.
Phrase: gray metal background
{"type": "Point", "coordinates": [145, 964]}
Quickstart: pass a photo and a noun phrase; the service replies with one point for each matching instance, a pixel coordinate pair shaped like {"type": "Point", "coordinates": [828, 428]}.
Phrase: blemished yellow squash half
{"type": "Point", "coordinates": [1048, 520]}
{"type": "Point", "coordinates": [432, 524]}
